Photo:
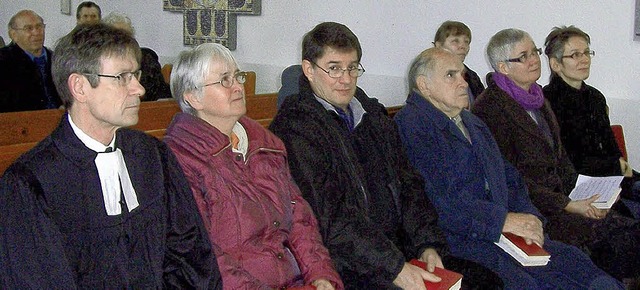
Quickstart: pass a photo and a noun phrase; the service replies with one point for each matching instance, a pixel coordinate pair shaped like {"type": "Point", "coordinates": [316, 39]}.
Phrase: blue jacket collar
{"type": "Point", "coordinates": [440, 119]}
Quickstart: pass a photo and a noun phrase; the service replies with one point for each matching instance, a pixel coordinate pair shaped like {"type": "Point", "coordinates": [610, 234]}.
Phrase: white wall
{"type": "Point", "coordinates": [392, 33]}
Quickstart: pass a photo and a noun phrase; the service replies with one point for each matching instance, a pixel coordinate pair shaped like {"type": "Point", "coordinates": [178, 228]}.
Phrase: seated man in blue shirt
{"type": "Point", "coordinates": [478, 195]}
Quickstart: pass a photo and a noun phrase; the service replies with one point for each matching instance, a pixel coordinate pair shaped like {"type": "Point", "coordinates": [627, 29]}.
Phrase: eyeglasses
{"type": "Point", "coordinates": [578, 55]}
{"type": "Point", "coordinates": [29, 28]}
{"type": "Point", "coordinates": [227, 81]}
{"type": "Point", "coordinates": [337, 72]}
{"type": "Point", "coordinates": [123, 78]}
{"type": "Point", "coordinates": [525, 57]}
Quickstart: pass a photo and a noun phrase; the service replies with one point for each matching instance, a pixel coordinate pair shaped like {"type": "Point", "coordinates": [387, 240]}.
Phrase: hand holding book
{"type": "Point", "coordinates": [431, 258]}
{"type": "Point", "coordinates": [525, 254]}
{"type": "Point", "coordinates": [413, 277]}
{"type": "Point", "coordinates": [525, 225]}
{"type": "Point", "coordinates": [607, 188]}
{"type": "Point", "coordinates": [449, 279]}
{"type": "Point", "coordinates": [586, 208]}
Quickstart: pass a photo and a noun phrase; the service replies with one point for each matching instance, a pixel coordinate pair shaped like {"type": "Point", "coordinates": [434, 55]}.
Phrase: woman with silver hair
{"type": "Point", "coordinates": [525, 128]}
{"type": "Point", "coordinates": [263, 232]}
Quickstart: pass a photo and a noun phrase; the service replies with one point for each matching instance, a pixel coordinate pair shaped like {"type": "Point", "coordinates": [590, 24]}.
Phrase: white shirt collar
{"type": "Point", "coordinates": [91, 143]}
{"type": "Point", "coordinates": [112, 171]}
{"type": "Point", "coordinates": [243, 139]}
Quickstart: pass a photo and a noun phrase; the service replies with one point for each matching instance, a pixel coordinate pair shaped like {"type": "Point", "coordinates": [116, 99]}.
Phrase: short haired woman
{"type": "Point", "coordinates": [264, 233]}
{"type": "Point", "coordinates": [526, 130]}
{"type": "Point", "coordinates": [581, 110]}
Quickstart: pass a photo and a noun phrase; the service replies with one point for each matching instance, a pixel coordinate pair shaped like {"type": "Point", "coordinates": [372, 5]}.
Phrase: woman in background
{"type": "Point", "coordinates": [455, 36]}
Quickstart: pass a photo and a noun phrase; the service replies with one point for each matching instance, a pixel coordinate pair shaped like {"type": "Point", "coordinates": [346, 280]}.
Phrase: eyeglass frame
{"type": "Point", "coordinates": [525, 58]}
{"type": "Point", "coordinates": [234, 79]}
{"type": "Point", "coordinates": [29, 28]}
{"type": "Point", "coordinates": [579, 54]}
{"type": "Point", "coordinates": [360, 69]}
{"type": "Point", "coordinates": [120, 78]}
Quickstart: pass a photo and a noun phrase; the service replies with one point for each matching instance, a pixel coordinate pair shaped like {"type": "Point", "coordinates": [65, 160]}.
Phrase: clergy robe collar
{"type": "Point", "coordinates": [88, 141]}
{"type": "Point", "coordinates": [115, 181]}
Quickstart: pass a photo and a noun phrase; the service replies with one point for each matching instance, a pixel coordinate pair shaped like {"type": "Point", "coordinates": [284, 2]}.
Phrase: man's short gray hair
{"type": "Point", "coordinates": [423, 64]}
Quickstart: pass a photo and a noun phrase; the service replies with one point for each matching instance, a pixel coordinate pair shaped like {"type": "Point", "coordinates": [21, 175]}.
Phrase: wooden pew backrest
{"type": "Point", "coordinates": [166, 72]}
{"type": "Point", "coordinates": [155, 117]}
{"type": "Point", "coordinates": [20, 131]}
{"type": "Point", "coordinates": [262, 108]}
{"type": "Point", "coordinates": [27, 126]}
{"type": "Point", "coordinates": [393, 110]}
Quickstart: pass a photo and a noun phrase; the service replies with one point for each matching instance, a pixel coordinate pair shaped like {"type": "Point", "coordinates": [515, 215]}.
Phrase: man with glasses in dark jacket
{"type": "Point", "coordinates": [347, 158]}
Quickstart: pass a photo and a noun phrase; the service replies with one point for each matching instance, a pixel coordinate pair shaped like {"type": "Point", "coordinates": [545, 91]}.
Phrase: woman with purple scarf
{"type": "Point", "coordinates": [526, 130]}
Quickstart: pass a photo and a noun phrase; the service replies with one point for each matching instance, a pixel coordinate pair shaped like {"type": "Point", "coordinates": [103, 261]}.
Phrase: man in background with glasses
{"type": "Point", "coordinates": [25, 67]}
{"type": "Point", "coordinates": [346, 156]}
{"type": "Point", "coordinates": [94, 206]}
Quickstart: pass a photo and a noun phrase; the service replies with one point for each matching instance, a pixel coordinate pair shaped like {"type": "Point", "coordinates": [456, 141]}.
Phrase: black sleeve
{"type": "Point", "coordinates": [587, 136]}
{"type": "Point", "coordinates": [7, 81]}
{"type": "Point", "coordinates": [31, 251]}
{"type": "Point", "coordinates": [189, 260]}
{"type": "Point", "coordinates": [359, 249]}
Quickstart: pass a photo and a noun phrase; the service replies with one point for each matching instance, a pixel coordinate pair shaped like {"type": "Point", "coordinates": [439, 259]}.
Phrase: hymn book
{"type": "Point", "coordinates": [450, 280]}
{"type": "Point", "coordinates": [608, 187]}
{"type": "Point", "coordinates": [527, 255]}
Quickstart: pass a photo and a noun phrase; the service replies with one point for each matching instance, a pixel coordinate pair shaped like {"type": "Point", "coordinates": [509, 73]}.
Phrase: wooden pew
{"type": "Point", "coordinates": [28, 126]}
{"type": "Point", "coordinates": [20, 131]}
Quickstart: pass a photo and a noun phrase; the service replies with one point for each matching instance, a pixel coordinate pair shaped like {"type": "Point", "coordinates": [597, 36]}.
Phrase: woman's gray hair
{"type": "Point", "coordinates": [115, 18]}
{"type": "Point", "coordinates": [191, 69]}
{"type": "Point", "coordinates": [502, 43]}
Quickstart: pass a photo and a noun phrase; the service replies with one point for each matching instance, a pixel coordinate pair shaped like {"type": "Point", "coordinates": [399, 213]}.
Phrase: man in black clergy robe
{"type": "Point", "coordinates": [94, 206]}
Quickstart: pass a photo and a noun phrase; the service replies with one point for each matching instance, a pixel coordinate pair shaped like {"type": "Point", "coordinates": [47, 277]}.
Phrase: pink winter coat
{"type": "Point", "coordinates": [263, 232]}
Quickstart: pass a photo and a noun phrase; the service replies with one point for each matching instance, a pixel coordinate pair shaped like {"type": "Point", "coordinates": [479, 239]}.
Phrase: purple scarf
{"type": "Point", "coordinates": [529, 100]}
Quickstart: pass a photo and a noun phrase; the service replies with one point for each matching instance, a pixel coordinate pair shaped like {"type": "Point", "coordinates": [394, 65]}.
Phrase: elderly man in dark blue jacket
{"type": "Point", "coordinates": [478, 195]}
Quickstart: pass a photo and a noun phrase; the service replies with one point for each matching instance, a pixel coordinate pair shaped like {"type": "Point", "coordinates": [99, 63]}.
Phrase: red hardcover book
{"type": "Point", "coordinates": [527, 255]}
{"type": "Point", "coordinates": [450, 280]}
